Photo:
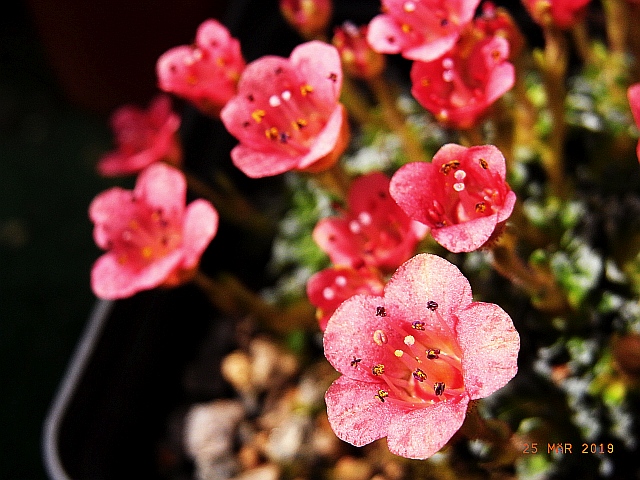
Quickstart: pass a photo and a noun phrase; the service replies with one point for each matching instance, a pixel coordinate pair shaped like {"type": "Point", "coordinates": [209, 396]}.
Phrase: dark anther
{"type": "Point", "coordinates": [355, 361]}
{"type": "Point", "coordinates": [431, 305]}
{"type": "Point", "coordinates": [381, 312]}
{"type": "Point", "coordinates": [438, 388]}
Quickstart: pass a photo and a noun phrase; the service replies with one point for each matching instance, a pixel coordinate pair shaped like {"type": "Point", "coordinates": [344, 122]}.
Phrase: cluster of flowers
{"type": "Point", "coordinates": [401, 326]}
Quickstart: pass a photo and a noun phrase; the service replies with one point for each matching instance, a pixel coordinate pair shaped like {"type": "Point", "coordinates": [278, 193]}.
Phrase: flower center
{"type": "Point", "coordinates": [147, 236]}
{"type": "Point", "coordinates": [426, 363]}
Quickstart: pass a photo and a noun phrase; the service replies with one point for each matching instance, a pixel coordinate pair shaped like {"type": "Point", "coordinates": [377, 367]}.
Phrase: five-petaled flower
{"type": "Point", "coordinates": [205, 73]}
{"type": "Point", "coordinates": [328, 288]}
{"type": "Point", "coordinates": [374, 231]}
{"type": "Point", "coordinates": [419, 29]}
{"type": "Point", "coordinates": [151, 238]}
{"type": "Point", "coordinates": [633, 94]}
{"type": "Point", "coordinates": [423, 351]}
{"type": "Point", "coordinates": [459, 87]}
{"type": "Point", "coordinates": [462, 194]}
{"type": "Point", "coordinates": [286, 114]}
{"type": "Point", "coordinates": [142, 137]}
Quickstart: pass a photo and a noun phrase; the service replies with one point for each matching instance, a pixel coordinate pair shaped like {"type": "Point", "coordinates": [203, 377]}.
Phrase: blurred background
{"type": "Point", "coordinates": [64, 66]}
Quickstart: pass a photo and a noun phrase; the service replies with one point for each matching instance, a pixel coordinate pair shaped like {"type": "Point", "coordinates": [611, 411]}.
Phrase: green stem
{"type": "Point", "coordinates": [231, 206]}
{"type": "Point", "coordinates": [396, 120]}
{"type": "Point", "coordinates": [554, 71]}
{"type": "Point", "coordinates": [231, 297]}
{"type": "Point", "coordinates": [540, 285]}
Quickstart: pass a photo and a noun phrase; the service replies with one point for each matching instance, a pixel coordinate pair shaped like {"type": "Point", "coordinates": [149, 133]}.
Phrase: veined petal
{"type": "Point", "coordinates": [491, 344]}
{"type": "Point", "coordinates": [355, 414]}
{"type": "Point", "coordinates": [422, 432]}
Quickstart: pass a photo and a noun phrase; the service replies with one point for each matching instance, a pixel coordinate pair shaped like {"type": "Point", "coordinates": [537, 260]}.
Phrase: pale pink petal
{"type": "Point", "coordinates": [326, 140]}
{"type": "Point", "coordinates": [431, 50]}
{"type": "Point", "coordinates": [199, 227]}
{"type": "Point", "coordinates": [350, 333]}
{"type": "Point", "coordinates": [422, 432]}
{"type": "Point", "coordinates": [633, 94]}
{"type": "Point", "coordinates": [319, 64]}
{"type": "Point", "coordinates": [501, 80]}
{"type": "Point", "coordinates": [354, 412]}
{"type": "Point", "coordinates": [384, 35]}
{"type": "Point", "coordinates": [109, 211]}
{"type": "Point", "coordinates": [490, 343]}
{"type": "Point", "coordinates": [162, 186]}
{"type": "Point", "coordinates": [426, 278]}
{"type": "Point", "coordinates": [507, 206]}
{"type": "Point", "coordinates": [257, 164]}
{"type": "Point", "coordinates": [112, 280]}
{"type": "Point", "coordinates": [467, 236]}
{"type": "Point", "coordinates": [414, 186]}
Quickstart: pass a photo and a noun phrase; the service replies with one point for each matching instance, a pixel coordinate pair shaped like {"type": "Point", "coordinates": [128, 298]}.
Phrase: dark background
{"type": "Point", "coordinates": [64, 66]}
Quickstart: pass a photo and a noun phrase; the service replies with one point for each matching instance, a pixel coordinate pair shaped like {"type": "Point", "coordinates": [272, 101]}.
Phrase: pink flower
{"type": "Point", "coordinates": [633, 93]}
{"type": "Point", "coordinates": [420, 29]}
{"type": "Point", "coordinates": [309, 17]}
{"type": "Point", "coordinates": [151, 238]}
{"type": "Point", "coordinates": [206, 73]}
{"type": "Point", "coordinates": [497, 21]}
{"type": "Point", "coordinates": [563, 14]}
{"type": "Point", "coordinates": [462, 194]}
{"type": "Point", "coordinates": [330, 287]}
{"type": "Point", "coordinates": [142, 137]}
{"type": "Point", "coordinates": [374, 231]}
{"type": "Point", "coordinates": [358, 58]}
{"type": "Point", "coordinates": [412, 360]}
{"type": "Point", "coordinates": [461, 85]}
{"type": "Point", "coordinates": [286, 114]}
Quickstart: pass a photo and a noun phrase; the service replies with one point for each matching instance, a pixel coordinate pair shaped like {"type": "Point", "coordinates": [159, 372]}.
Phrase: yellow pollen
{"type": "Point", "coordinates": [271, 133]}
{"type": "Point", "coordinates": [147, 252]}
{"type": "Point", "coordinates": [299, 124]}
{"type": "Point", "coordinates": [480, 207]}
{"type": "Point", "coordinates": [483, 163]}
{"type": "Point", "coordinates": [220, 61]}
{"type": "Point", "coordinates": [398, 353]}
{"type": "Point", "coordinates": [378, 369]}
{"type": "Point", "coordinates": [406, 28]}
{"type": "Point", "coordinates": [192, 79]}
{"type": "Point", "coordinates": [258, 115]}
{"type": "Point", "coordinates": [305, 89]}
{"type": "Point", "coordinates": [425, 82]}
{"type": "Point", "coordinates": [382, 394]}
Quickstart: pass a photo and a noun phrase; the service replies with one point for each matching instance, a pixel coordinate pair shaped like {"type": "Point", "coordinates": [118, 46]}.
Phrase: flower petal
{"type": "Point", "coordinates": [425, 278]}
{"type": "Point", "coordinates": [350, 333]}
{"type": "Point", "coordinates": [354, 412]}
{"type": "Point", "coordinates": [164, 187]}
{"type": "Point", "coordinates": [490, 343]}
{"type": "Point", "coordinates": [199, 228]}
{"type": "Point", "coordinates": [466, 237]}
{"type": "Point", "coordinates": [319, 65]}
{"type": "Point", "coordinates": [422, 432]}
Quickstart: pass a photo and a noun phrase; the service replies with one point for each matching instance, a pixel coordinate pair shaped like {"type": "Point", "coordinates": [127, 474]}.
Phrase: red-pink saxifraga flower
{"type": "Point", "coordinates": [563, 14]}
{"type": "Point", "coordinates": [309, 17]}
{"type": "Point", "coordinates": [420, 29]}
{"type": "Point", "coordinates": [374, 231]}
{"type": "Point", "coordinates": [462, 195]}
{"type": "Point", "coordinates": [328, 288]}
{"type": "Point", "coordinates": [152, 239]}
{"type": "Point", "coordinates": [142, 137]}
{"type": "Point", "coordinates": [633, 94]}
{"type": "Point", "coordinates": [413, 359]}
{"type": "Point", "coordinates": [459, 87]}
{"type": "Point", "coordinates": [358, 58]}
{"type": "Point", "coordinates": [205, 73]}
{"type": "Point", "coordinates": [286, 114]}
{"type": "Point", "coordinates": [499, 22]}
